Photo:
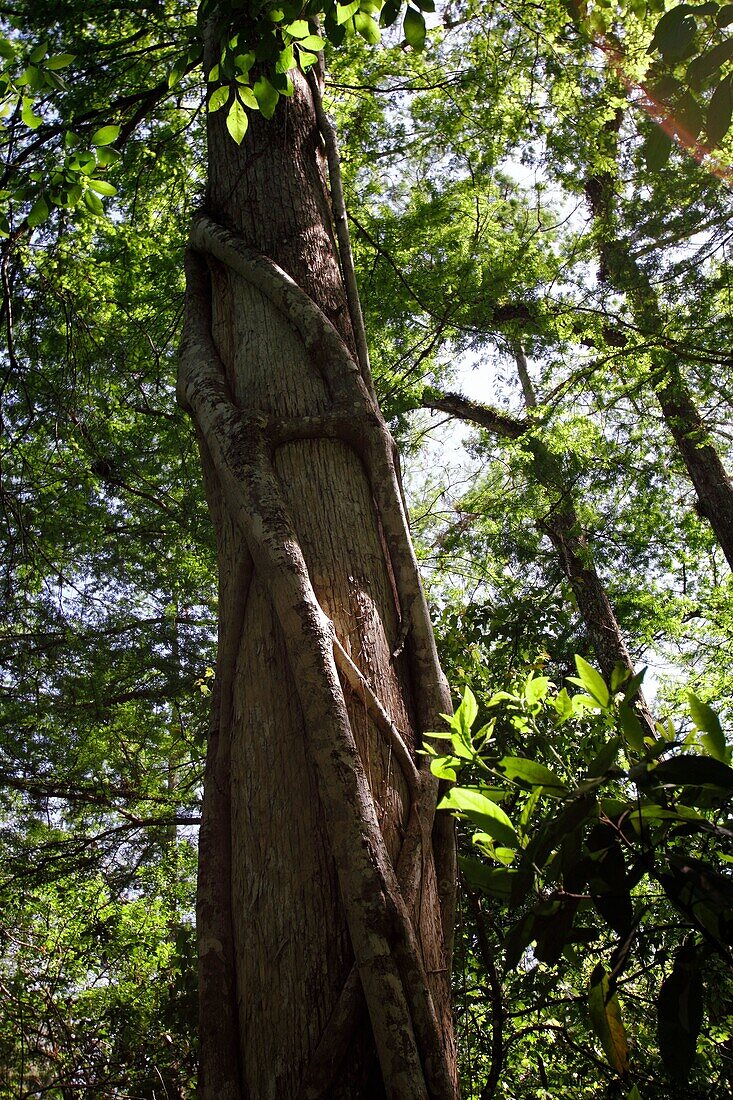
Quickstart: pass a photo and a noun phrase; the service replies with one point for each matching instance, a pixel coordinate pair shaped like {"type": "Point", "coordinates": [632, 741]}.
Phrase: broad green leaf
{"type": "Point", "coordinates": [674, 32]}
{"type": "Point", "coordinates": [59, 61]}
{"type": "Point", "coordinates": [425, 5]}
{"type": "Point", "coordinates": [102, 187]}
{"type": "Point", "coordinates": [563, 704]}
{"type": "Point", "coordinates": [703, 66]}
{"type": "Point", "coordinates": [219, 97]}
{"type": "Point", "coordinates": [708, 722]}
{"type": "Point", "coordinates": [267, 97]}
{"type": "Point", "coordinates": [536, 688]}
{"type": "Point", "coordinates": [693, 771]}
{"type": "Point", "coordinates": [247, 97]}
{"type": "Point", "coordinates": [466, 713]}
{"type": "Point", "coordinates": [345, 11]}
{"type": "Point", "coordinates": [591, 680]}
{"type": "Point", "coordinates": [93, 203]}
{"type": "Point", "coordinates": [105, 135]}
{"type": "Point", "coordinates": [498, 882]}
{"type": "Point", "coordinates": [30, 118]}
{"type": "Point", "coordinates": [38, 53]}
{"type": "Point", "coordinates": [657, 149]}
{"type": "Point", "coordinates": [485, 813]}
{"type": "Point", "coordinates": [720, 111]}
{"type": "Point", "coordinates": [414, 28]}
{"type": "Point", "coordinates": [631, 727]}
{"type": "Point", "coordinates": [528, 771]}
{"type": "Point", "coordinates": [605, 1016]}
{"type": "Point", "coordinates": [38, 212]}
{"type": "Point", "coordinates": [237, 121]}
{"type": "Point", "coordinates": [445, 767]}
{"type": "Point", "coordinates": [298, 29]}
{"type": "Point", "coordinates": [107, 155]}
{"type": "Point", "coordinates": [680, 1014]}
{"type": "Point", "coordinates": [312, 42]}
{"type": "Point", "coordinates": [286, 60]}
{"type": "Point", "coordinates": [367, 28]}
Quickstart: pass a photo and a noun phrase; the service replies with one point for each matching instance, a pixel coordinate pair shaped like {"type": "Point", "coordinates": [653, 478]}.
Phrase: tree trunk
{"type": "Point", "coordinates": [709, 477]}
{"type": "Point", "coordinates": [562, 527]}
{"type": "Point", "coordinates": [327, 675]}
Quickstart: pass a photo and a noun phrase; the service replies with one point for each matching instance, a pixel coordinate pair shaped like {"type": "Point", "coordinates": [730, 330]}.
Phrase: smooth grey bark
{"type": "Point", "coordinates": [325, 881]}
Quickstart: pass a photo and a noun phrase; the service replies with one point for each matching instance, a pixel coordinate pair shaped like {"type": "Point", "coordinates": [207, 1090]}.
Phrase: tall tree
{"type": "Point", "coordinates": [323, 883]}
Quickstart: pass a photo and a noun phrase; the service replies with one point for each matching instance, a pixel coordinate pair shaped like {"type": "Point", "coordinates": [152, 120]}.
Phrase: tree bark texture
{"type": "Point", "coordinates": [326, 881]}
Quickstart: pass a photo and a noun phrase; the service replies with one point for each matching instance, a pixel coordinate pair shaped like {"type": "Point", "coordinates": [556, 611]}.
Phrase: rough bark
{"type": "Point", "coordinates": [319, 851]}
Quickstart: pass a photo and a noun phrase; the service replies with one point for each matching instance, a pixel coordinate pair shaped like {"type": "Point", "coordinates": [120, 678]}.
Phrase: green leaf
{"type": "Point", "coordinates": [237, 121]}
{"type": "Point", "coordinates": [414, 28]}
{"type": "Point", "coordinates": [297, 29]}
{"type": "Point", "coordinates": [605, 1016]}
{"type": "Point", "coordinates": [105, 135]}
{"type": "Point", "coordinates": [528, 771]}
{"type": "Point", "coordinates": [498, 882]}
{"type": "Point", "coordinates": [247, 97]}
{"type": "Point", "coordinates": [38, 212]}
{"type": "Point", "coordinates": [483, 812]}
{"type": "Point", "coordinates": [445, 767]}
{"type": "Point", "coordinates": [720, 112]}
{"type": "Point", "coordinates": [703, 66]}
{"type": "Point", "coordinates": [30, 118]}
{"type": "Point", "coordinates": [38, 53]}
{"type": "Point", "coordinates": [591, 680]}
{"type": "Point", "coordinates": [367, 28]}
{"type": "Point", "coordinates": [631, 727]}
{"type": "Point", "coordinates": [693, 771]}
{"type": "Point", "coordinates": [313, 42]}
{"type": "Point", "coordinates": [106, 156]}
{"type": "Point", "coordinates": [680, 1014]}
{"type": "Point", "coordinates": [267, 97]}
{"type": "Point", "coordinates": [219, 98]}
{"type": "Point", "coordinates": [674, 32]}
{"type": "Point", "coordinates": [102, 187]}
{"type": "Point", "coordinates": [59, 61]}
{"type": "Point", "coordinates": [536, 688]}
{"type": "Point", "coordinates": [707, 720]}
{"type": "Point", "coordinates": [425, 5]}
{"type": "Point", "coordinates": [345, 11]}
{"type": "Point", "coordinates": [286, 60]}
{"type": "Point", "coordinates": [93, 203]}
{"type": "Point", "coordinates": [466, 713]}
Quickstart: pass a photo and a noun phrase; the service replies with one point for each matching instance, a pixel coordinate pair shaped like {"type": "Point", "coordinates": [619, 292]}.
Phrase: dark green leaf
{"type": "Point", "coordinates": [675, 32]}
{"type": "Point", "coordinates": [414, 28]}
{"type": "Point", "coordinates": [720, 111]}
{"type": "Point", "coordinates": [688, 770]}
{"type": "Point", "coordinates": [680, 1013]}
